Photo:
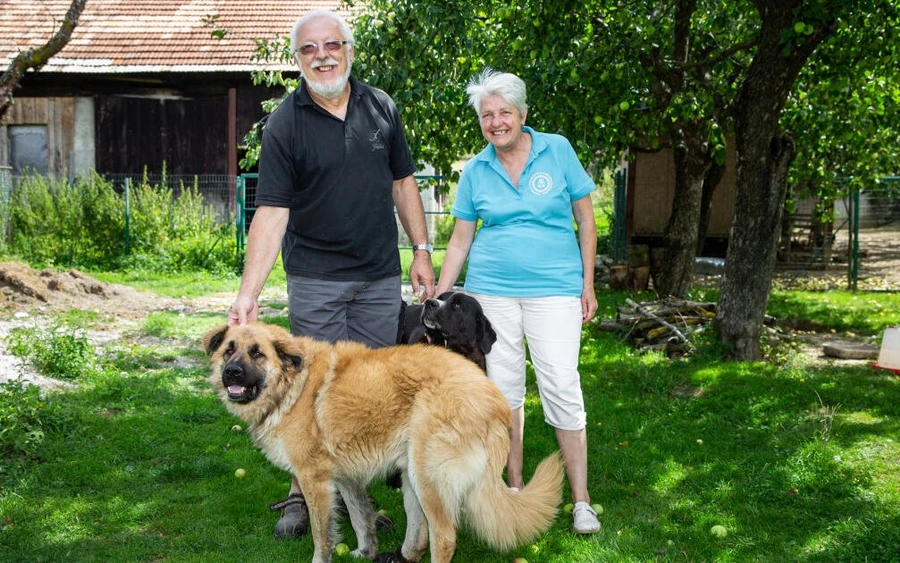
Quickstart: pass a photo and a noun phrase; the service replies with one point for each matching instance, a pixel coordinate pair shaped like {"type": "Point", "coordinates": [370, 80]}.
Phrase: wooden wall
{"type": "Point", "coordinates": [135, 126]}
{"type": "Point", "coordinates": [58, 115]}
{"type": "Point", "coordinates": [651, 189]}
{"type": "Point", "coordinates": [189, 135]}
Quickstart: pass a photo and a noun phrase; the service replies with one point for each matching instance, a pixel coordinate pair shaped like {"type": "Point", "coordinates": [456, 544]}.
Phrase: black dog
{"type": "Point", "coordinates": [453, 320]}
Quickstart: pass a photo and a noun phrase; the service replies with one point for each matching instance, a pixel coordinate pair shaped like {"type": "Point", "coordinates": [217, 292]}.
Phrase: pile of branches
{"type": "Point", "coordinates": [668, 325]}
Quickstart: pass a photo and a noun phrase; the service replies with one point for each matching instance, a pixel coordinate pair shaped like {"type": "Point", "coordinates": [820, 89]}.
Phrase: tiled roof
{"type": "Point", "coordinates": [140, 36]}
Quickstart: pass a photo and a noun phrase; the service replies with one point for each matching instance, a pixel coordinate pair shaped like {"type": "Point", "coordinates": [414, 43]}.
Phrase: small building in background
{"type": "Point", "coordinates": [141, 85]}
{"type": "Point", "coordinates": [651, 191]}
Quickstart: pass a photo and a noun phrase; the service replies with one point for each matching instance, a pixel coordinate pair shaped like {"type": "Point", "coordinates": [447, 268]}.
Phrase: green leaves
{"type": "Point", "coordinates": [22, 411]}
{"type": "Point", "coordinates": [605, 75]}
{"type": "Point", "coordinates": [60, 351]}
{"type": "Point", "coordinates": [845, 108]}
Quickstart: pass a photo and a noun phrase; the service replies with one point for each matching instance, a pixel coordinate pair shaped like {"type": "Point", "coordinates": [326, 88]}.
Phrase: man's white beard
{"type": "Point", "coordinates": [328, 90]}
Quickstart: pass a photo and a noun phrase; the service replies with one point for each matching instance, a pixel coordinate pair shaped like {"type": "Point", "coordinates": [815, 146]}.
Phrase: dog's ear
{"type": "Point", "coordinates": [213, 339]}
{"type": "Point", "coordinates": [292, 360]}
{"type": "Point", "coordinates": [288, 351]}
{"type": "Point", "coordinates": [487, 336]}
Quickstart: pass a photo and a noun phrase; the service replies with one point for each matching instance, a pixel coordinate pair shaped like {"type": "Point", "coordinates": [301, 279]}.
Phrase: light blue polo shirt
{"type": "Point", "coordinates": [526, 246]}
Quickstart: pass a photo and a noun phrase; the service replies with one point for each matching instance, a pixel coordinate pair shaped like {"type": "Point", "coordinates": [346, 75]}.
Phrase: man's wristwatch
{"type": "Point", "coordinates": [426, 247]}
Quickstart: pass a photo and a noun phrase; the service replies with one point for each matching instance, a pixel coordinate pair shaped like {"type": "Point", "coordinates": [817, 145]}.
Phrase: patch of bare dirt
{"type": "Point", "coordinates": [819, 349]}
{"type": "Point", "coordinates": [24, 288]}
{"type": "Point", "coordinates": [879, 264]}
{"type": "Point", "coordinates": [30, 297]}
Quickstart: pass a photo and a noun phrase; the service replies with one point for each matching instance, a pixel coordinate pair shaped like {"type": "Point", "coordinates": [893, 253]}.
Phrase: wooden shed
{"type": "Point", "coordinates": [140, 84]}
{"type": "Point", "coordinates": [651, 191]}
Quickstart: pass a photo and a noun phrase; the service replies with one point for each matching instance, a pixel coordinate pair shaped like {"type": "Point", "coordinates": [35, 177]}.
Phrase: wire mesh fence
{"type": "Point", "coordinates": [218, 190]}
{"type": "Point", "coordinates": [861, 243]}
{"type": "Point", "coordinates": [860, 240]}
{"type": "Point", "coordinates": [5, 196]}
{"type": "Point", "coordinates": [434, 201]}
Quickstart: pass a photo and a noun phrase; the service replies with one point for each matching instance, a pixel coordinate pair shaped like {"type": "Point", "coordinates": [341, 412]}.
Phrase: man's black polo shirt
{"type": "Point", "coordinates": [337, 178]}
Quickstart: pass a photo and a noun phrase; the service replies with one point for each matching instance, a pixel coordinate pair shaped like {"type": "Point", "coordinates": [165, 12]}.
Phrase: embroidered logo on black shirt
{"type": "Point", "coordinates": [377, 140]}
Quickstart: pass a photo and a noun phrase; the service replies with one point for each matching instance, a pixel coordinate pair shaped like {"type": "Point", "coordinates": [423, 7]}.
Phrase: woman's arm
{"type": "Point", "coordinates": [457, 252]}
{"type": "Point", "coordinates": [583, 210]}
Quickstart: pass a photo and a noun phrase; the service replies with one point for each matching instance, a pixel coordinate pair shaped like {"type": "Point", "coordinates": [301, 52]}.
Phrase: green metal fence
{"type": "Point", "coordinates": [245, 203]}
{"type": "Point", "coordinates": [5, 195]}
{"type": "Point", "coordinates": [243, 209]}
{"type": "Point", "coordinates": [619, 240]}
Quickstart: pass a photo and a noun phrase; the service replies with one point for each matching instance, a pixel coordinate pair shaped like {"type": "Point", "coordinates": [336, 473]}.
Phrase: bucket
{"type": "Point", "coordinates": [889, 356]}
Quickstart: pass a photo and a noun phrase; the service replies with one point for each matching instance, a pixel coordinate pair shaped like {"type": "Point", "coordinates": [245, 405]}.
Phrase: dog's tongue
{"type": "Point", "coordinates": [236, 389]}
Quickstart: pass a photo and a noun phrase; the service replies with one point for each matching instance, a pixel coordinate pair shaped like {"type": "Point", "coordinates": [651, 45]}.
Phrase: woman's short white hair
{"type": "Point", "coordinates": [315, 14]}
{"type": "Point", "coordinates": [504, 84]}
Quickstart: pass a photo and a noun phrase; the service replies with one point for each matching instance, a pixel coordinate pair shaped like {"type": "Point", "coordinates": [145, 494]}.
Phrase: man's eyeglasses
{"type": "Point", "coordinates": [312, 48]}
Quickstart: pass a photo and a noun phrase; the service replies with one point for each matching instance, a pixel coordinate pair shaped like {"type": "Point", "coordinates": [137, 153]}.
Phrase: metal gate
{"type": "Point", "coordinates": [245, 199]}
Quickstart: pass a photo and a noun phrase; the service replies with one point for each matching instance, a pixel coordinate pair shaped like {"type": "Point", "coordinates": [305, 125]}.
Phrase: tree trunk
{"type": "Point", "coordinates": [691, 155]}
{"type": "Point", "coordinates": [710, 182]}
{"type": "Point", "coordinates": [691, 163]}
{"type": "Point", "coordinates": [752, 247]}
{"type": "Point", "coordinates": [763, 158]}
{"type": "Point", "coordinates": [36, 58]}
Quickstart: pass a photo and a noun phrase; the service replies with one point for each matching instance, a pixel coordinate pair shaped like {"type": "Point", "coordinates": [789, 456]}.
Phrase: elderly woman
{"type": "Point", "coordinates": [531, 273]}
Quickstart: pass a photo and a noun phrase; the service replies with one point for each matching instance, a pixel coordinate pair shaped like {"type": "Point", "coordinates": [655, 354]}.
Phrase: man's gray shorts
{"type": "Point", "coordinates": [366, 312]}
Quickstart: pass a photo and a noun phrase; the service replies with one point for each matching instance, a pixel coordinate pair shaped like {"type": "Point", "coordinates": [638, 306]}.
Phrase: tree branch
{"type": "Point", "coordinates": [723, 55]}
{"type": "Point", "coordinates": [37, 57]}
{"type": "Point", "coordinates": [660, 320]}
{"type": "Point", "coordinates": [683, 12]}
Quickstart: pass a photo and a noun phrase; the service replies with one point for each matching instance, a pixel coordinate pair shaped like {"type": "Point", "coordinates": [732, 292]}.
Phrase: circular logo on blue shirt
{"type": "Point", "coordinates": [540, 183]}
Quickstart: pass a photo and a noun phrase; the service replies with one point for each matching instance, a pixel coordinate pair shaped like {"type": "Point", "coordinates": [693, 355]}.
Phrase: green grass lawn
{"type": "Point", "coordinates": [797, 461]}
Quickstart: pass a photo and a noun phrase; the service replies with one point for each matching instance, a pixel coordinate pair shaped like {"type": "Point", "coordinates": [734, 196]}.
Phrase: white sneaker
{"type": "Point", "coordinates": [585, 519]}
{"type": "Point", "coordinates": [514, 489]}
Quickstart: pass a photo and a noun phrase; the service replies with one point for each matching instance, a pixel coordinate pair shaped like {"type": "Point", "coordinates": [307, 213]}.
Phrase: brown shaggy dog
{"type": "Point", "coordinates": [337, 416]}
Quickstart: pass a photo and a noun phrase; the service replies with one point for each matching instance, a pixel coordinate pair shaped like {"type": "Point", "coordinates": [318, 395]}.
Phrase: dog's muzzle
{"type": "Point", "coordinates": [235, 380]}
{"type": "Point", "coordinates": [432, 306]}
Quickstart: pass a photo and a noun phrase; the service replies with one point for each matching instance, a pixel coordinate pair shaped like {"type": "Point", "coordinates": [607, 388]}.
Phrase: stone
{"type": "Point", "coordinates": [846, 351]}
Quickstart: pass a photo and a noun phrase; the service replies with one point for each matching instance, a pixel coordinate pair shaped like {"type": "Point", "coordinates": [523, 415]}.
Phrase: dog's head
{"type": "Point", "coordinates": [247, 362]}
{"type": "Point", "coordinates": [459, 321]}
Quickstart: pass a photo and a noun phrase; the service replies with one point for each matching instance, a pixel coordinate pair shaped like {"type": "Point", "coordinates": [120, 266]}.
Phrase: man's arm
{"type": "Point", "coordinates": [412, 217]}
{"type": "Point", "coordinates": [263, 244]}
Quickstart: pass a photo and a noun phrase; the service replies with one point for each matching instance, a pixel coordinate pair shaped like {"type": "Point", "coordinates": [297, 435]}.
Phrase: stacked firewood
{"type": "Point", "coordinates": [668, 324]}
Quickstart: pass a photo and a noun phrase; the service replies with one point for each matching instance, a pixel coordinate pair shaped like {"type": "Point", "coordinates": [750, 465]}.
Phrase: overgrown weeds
{"type": "Point", "coordinates": [61, 351]}
{"type": "Point", "coordinates": [27, 417]}
{"type": "Point", "coordinates": [21, 427]}
{"type": "Point", "coordinates": [91, 225]}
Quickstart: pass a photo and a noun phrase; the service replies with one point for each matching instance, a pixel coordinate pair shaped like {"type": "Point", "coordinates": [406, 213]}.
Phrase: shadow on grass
{"type": "Point", "coordinates": [777, 454]}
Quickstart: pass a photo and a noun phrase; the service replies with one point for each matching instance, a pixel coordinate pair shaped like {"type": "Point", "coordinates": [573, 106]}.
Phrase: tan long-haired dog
{"type": "Point", "coordinates": [336, 416]}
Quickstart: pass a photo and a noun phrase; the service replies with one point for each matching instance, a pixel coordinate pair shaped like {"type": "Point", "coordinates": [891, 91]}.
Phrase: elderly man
{"type": "Point", "coordinates": [333, 165]}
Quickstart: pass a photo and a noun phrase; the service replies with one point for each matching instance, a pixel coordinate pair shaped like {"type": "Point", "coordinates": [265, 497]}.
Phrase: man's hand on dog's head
{"type": "Point", "coordinates": [244, 310]}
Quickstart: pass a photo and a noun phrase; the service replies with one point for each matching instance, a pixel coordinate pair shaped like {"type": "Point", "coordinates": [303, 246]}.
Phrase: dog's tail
{"type": "Point", "coordinates": [505, 518]}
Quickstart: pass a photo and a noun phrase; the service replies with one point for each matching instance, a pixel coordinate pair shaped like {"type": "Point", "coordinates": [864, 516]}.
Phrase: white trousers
{"type": "Point", "coordinates": [552, 328]}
